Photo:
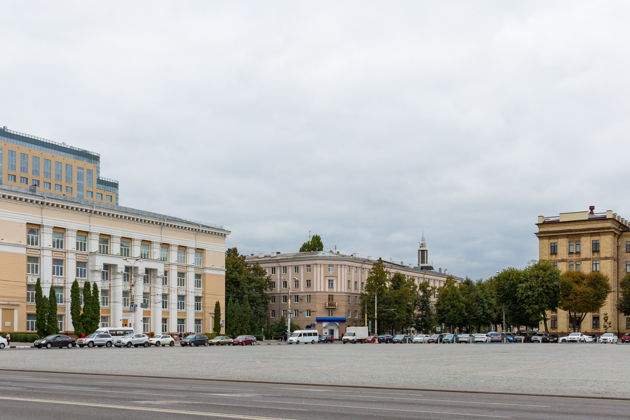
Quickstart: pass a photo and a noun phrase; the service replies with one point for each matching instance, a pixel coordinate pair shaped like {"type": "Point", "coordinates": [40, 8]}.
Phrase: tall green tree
{"type": "Point", "coordinates": [41, 310]}
{"type": "Point", "coordinates": [506, 285]}
{"type": "Point", "coordinates": [425, 316]}
{"type": "Point", "coordinates": [375, 292]}
{"type": "Point", "coordinates": [478, 305]}
{"type": "Point", "coordinates": [539, 291]}
{"type": "Point", "coordinates": [313, 244]}
{"type": "Point", "coordinates": [623, 305]}
{"type": "Point", "coordinates": [52, 326]}
{"type": "Point", "coordinates": [75, 307]}
{"type": "Point", "coordinates": [216, 320]}
{"type": "Point", "coordinates": [86, 317]}
{"type": "Point", "coordinates": [582, 293]}
{"type": "Point", "coordinates": [450, 307]}
{"type": "Point", "coordinates": [95, 308]}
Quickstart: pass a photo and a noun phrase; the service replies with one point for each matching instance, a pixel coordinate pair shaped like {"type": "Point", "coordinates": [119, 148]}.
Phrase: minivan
{"type": "Point", "coordinates": [303, 336]}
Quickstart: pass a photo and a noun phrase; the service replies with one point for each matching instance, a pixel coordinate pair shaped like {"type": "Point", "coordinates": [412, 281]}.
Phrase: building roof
{"type": "Point", "coordinates": [41, 197]}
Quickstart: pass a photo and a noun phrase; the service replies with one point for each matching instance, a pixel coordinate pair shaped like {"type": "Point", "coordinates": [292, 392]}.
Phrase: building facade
{"type": "Point", "coordinates": [588, 241]}
{"type": "Point", "coordinates": [155, 273]}
{"type": "Point", "coordinates": [322, 290]}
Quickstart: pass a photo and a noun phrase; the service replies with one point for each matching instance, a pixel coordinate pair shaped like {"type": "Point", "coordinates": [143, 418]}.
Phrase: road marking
{"type": "Point", "coordinates": [148, 409]}
{"type": "Point", "coordinates": [448, 401]}
{"type": "Point", "coordinates": [360, 407]}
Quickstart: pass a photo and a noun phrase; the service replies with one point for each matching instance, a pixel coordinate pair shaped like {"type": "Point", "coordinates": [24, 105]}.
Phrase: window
{"type": "Point", "coordinates": [145, 300]}
{"type": "Point", "coordinates": [571, 266]}
{"type": "Point", "coordinates": [198, 259]}
{"type": "Point", "coordinates": [32, 266]}
{"type": "Point", "coordinates": [197, 303]}
{"type": "Point", "coordinates": [30, 322]}
{"type": "Point", "coordinates": [349, 284]}
{"type": "Point", "coordinates": [628, 323]}
{"type": "Point", "coordinates": [628, 246]}
{"type": "Point", "coordinates": [60, 322]}
{"type": "Point", "coordinates": [284, 270]}
{"type": "Point", "coordinates": [145, 324]}
{"type": "Point", "coordinates": [47, 168]}
{"type": "Point", "coordinates": [24, 163]}
{"type": "Point", "coordinates": [181, 302]}
{"type": "Point", "coordinates": [308, 298]}
{"type": "Point", "coordinates": [57, 268]}
{"type": "Point", "coordinates": [104, 297]}
{"type": "Point", "coordinates": [105, 273]}
{"type": "Point", "coordinates": [273, 299]}
{"type": "Point", "coordinates": [126, 300]}
{"type": "Point", "coordinates": [555, 265]}
{"type": "Point", "coordinates": [273, 270]}
{"type": "Point", "coordinates": [595, 266]}
{"type": "Point", "coordinates": [595, 322]}
{"type": "Point", "coordinates": [356, 285]}
{"type": "Point", "coordinates": [81, 242]}
{"type": "Point", "coordinates": [331, 283]}
{"type": "Point", "coordinates": [103, 245]}
{"type": "Point", "coordinates": [308, 268]}
{"type": "Point", "coordinates": [571, 247]}
{"type": "Point", "coordinates": [296, 269]}
{"type": "Point", "coordinates": [24, 180]}
{"type": "Point", "coordinates": [104, 322]}
{"type": "Point", "coordinates": [578, 265]}
{"type": "Point", "coordinates": [58, 171]}
{"type": "Point", "coordinates": [146, 277]}
{"type": "Point", "coordinates": [181, 279]}
{"type": "Point", "coordinates": [125, 248]}
{"type": "Point", "coordinates": [68, 173]}
{"type": "Point", "coordinates": [296, 313]}
{"type": "Point", "coordinates": [89, 194]}
{"type": "Point", "coordinates": [273, 314]}
{"type": "Point", "coordinates": [144, 251]}
{"type": "Point", "coordinates": [181, 256]}
{"type": "Point", "coordinates": [273, 284]}
{"type": "Point", "coordinates": [198, 326]}
{"type": "Point", "coordinates": [331, 312]}
{"type": "Point", "coordinates": [165, 279]}
{"type": "Point", "coordinates": [58, 187]}
{"type": "Point", "coordinates": [164, 324]}
{"type": "Point", "coordinates": [554, 322]}
{"type": "Point", "coordinates": [68, 190]}
{"type": "Point", "coordinates": [308, 284]}
{"type": "Point", "coordinates": [59, 295]}
{"type": "Point", "coordinates": [35, 182]}
{"type": "Point", "coordinates": [296, 284]}
{"type": "Point", "coordinates": [285, 298]}
{"type": "Point", "coordinates": [30, 293]}
{"type": "Point", "coordinates": [197, 281]}
{"type": "Point", "coordinates": [164, 301]}
{"type": "Point", "coordinates": [595, 245]}
{"type": "Point", "coordinates": [163, 253]}
{"type": "Point", "coordinates": [296, 298]}
{"type": "Point", "coordinates": [80, 183]}
{"type": "Point", "coordinates": [89, 178]}
{"type": "Point", "coordinates": [57, 240]}
{"type": "Point", "coordinates": [180, 325]}
{"type": "Point", "coordinates": [12, 160]}
{"type": "Point", "coordinates": [285, 284]}
{"type": "Point", "coordinates": [627, 266]}
{"type": "Point", "coordinates": [99, 196]}
{"type": "Point", "coordinates": [47, 185]}
{"type": "Point", "coordinates": [11, 178]}
{"type": "Point", "coordinates": [108, 198]}
{"type": "Point", "coordinates": [127, 273]}
{"type": "Point", "coordinates": [331, 268]}
{"type": "Point", "coordinates": [577, 247]}
{"type": "Point", "coordinates": [81, 269]}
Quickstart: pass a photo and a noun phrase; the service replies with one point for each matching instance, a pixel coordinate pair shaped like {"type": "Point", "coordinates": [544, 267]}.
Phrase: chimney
{"type": "Point", "coordinates": [592, 209]}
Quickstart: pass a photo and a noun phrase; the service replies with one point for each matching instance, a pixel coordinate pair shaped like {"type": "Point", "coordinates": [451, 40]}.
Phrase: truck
{"type": "Point", "coordinates": [355, 335]}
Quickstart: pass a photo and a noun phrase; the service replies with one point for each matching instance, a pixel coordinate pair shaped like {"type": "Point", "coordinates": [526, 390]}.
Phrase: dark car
{"type": "Point", "coordinates": [244, 340]}
{"type": "Point", "coordinates": [544, 338]}
{"type": "Point", "coordinates": [194, 340]}
{"type": "Point", "coordinates": [325, 339]}
{"type": "Point", "coordinates": [435, 338]}
{"type": "Point", "coordinates": [385, 338]}
{"type": "Point", "coordinates": [400, 339]}
{"type": "Point", "coordinates": [55, 340]}
{"type": "Point", "coordinates": [625, 338]}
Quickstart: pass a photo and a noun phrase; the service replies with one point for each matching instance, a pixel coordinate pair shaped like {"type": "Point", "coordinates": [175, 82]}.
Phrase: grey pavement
{"type": "Point", "coordinates": [553, 369]}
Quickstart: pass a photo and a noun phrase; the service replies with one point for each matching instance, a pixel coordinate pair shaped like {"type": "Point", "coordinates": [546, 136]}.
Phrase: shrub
{"type": "Point", "coordinates": [211, 335]}
{"type": "Point", "coordinates": [22, 337]}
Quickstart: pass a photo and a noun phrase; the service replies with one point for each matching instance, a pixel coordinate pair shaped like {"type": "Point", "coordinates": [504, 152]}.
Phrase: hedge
{"type": "Point", "coordinates": [22, 337]}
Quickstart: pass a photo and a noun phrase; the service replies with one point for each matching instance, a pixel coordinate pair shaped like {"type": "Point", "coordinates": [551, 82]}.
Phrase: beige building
{"type": "Point", "coordinates": [588, 241]}
{"type": "Point", "coordinates": [155, 273]}
{"type": "Point", "coordinates": [322, 290]}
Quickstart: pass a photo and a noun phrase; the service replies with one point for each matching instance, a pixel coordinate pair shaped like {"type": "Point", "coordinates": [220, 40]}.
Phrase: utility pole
{"type": "Point", "coordinates": [376, 314]}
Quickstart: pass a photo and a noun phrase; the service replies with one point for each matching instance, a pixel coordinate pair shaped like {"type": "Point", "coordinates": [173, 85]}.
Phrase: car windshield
{"type": "Point", "coordinates": [50, 337]}
{"type": "Point", "coordinates": [91, 335]}
{"type": "Point", "coordinates": [608, 335]}
{"type": "Point", "coordinates": [574, 334]}
{"type": "Point", "coordinates": [480, 335]}
{"type": "Point", "coordinates": [295, 334]}
{"type": "Point", "coordinates": [191, 336]}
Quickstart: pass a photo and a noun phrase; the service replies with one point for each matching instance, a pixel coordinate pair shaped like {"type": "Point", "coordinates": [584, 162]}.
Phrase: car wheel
{"type": "Point", "coordinates": [158, 344]}
{"type": "Point", "coordinates": [108, 344]}
{"type": "Point", "coordinates": [1, 346]}
{"type": "Point", "coordinates": [129, 344]}
{"type": "Point", "coordinates": [48, 345]}
{"type": "Point", "coordinates": [71, 345]}
{"type": "Point", "coordinates": [90, 344]}
{"type": "Point", "coordinates": [172, 343]}
{"type": "Point", "coordinates": [146, 344]}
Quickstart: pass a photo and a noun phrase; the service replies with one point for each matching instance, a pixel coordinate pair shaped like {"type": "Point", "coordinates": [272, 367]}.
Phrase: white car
{"type": "Point", "coordinates": [162, 340]}
{"type": "Point", "coordinates": [481, 338]}
{"type": "Point", "coordinates": [575, 337]}
{"type": "Point", "coordinates": [134, 340]}
{"type": "Point", "coordinates": [608, 338]}
{"type": "Point", "coordinates": [420, 338]}
{"type": "Point", "coordinates": [3, 343]}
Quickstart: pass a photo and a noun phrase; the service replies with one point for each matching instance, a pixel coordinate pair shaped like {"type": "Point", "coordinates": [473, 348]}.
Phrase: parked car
{"type": "Point", "coordinates": [385, 338]}
{"type": "Point", "coordinates": [3, 343]}
{"type": "Point", "coordinates": [132, 340]}
{"type": "Point", "coordinates": [371, 339]}
{"type": "Point", "coordinates": [326, 339]}
{"type": "Point", "coordinates": [220, 340]}
{"type": "Point", "coordinates": [609, 338]}
{"type": "Point", "coordinates": [575, 337]}
{"type": "Point", "coordinates": [420, 338]}
{"type": "Point", "coordinates": [55, 340]}
{"type": "Point", "coordinates": [495, 337]}
{"type": "Point", "coordinates": [243, 340]}
{"type": "Point", "coordinates": [96, 339]}
{"type": "Point", "coordinates": [481, 338]}
{"type": "Point", "coordinates": [625, 338]}
{"type": "Point", "coordinates": [194, 340]}
{"type": "Point", "coordinates": [465, 338]}
{"type": "Point", "coordinates": [544, 338]}
{"type": "Point", "coordinates": [435, 338]}
{"type": "Point", "coordinates": [449, 338]}
{"type": "Point", "coordinates": [162, 340]}
{"type": "Point", "coordinates": [400, 339]}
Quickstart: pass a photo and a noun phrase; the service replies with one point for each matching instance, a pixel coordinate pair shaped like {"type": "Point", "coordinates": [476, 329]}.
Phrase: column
{"type": "Point", "coordinates": [135, 248]}
{"type": "Point", "coordinates": [46, 259]}
{"type": "Point", "coordinates": [115, 245]}
{"type": "Point", "coordinates": [115, 298]}
{"type": "Point", "coordinates": [70, 273]}
{"type": "Point", "coordinates": [137, 299]}
{"type": "Point", "coordinates": [156, 301]}
{"type": "Point", "coordinates": [172, 299]}
{"type": "Point", "coordinates": [190, 298]}
{"type": "Point", "coordinates": [92, 242]}
{"type": "Point", "coordinates": [155, 251]}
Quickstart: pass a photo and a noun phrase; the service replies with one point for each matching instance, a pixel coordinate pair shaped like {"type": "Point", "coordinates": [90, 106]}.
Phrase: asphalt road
{"type": "Point", "coordinates": [79, 396]}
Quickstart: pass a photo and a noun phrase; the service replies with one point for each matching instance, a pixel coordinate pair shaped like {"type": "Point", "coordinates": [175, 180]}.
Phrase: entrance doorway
{"type": "Point", "coordinates": [7, 320]}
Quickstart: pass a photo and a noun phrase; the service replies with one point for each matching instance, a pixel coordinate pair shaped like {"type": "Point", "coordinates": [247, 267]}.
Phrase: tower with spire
{"type": "Point", "coordinates": [423, 255]}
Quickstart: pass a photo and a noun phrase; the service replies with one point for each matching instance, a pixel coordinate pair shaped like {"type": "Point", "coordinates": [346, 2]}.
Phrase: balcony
{"type": "Point", "coordinates": [331, 305]}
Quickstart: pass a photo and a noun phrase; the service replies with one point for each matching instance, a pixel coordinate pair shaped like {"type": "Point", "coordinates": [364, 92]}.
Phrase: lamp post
{"type": "Point", "coordinates": [132, 283]}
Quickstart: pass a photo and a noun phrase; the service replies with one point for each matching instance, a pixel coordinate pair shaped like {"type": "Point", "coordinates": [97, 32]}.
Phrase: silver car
{"type": "Point", "coordinates": [162, 340]}
{"type": "Point", "coordinates": [134, 340]}
{"type": "Point", "coordinates": [96, 339]}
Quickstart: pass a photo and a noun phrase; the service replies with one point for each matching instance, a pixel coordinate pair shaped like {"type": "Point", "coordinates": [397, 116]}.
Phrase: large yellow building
{"type": "Point", "coordinates": [588, 241]}
{"type": "Point", "coordinates": [155, 273]}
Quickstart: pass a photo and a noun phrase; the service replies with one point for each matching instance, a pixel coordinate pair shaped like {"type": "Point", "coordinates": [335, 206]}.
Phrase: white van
{"type": "Point", "coordinates": [303, 336]}
{"type": "Point", "coordinates": [115, 332]}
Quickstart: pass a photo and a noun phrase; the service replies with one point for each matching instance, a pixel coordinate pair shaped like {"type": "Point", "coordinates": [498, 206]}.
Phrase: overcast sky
{"type": "Point", "coordinates": [365, 122]}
